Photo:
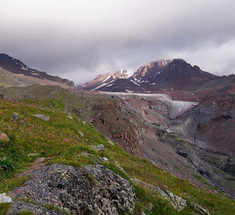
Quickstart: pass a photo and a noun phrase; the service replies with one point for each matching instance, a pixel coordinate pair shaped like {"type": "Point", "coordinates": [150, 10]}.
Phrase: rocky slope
{"type": "Point", "coordinates": [49, 141]}
{"type": "Point", "coordinates": [178, 131]}
{"type": "Point", "coordinates": [155, 127]}
{"type": "Point", "coordinates": [15, 73]}
{"type": "Point", "coordinates": [191, 117]}
{"type": "Point", "coordinates": [197, 136]}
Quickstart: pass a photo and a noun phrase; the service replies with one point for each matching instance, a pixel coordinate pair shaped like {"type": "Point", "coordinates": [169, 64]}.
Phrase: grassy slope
{"type": "Point", "coordinates": [60, 140]}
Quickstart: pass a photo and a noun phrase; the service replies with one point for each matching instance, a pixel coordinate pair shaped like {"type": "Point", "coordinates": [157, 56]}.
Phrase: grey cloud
{"type": "Point", "coordinates": [80, 39]}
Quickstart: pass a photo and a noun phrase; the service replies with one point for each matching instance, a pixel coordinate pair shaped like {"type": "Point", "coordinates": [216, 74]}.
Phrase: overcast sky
{"type": "Point", "coordinates": [79, 39]}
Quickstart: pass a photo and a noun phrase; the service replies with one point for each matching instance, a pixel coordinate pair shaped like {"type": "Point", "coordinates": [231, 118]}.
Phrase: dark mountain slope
{"type": "Point", "coordinates": [33, 76]}
{"type": "Point", "coordinates": [162, 75]}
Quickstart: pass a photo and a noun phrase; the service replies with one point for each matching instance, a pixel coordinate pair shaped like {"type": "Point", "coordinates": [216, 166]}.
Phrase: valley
{"type": "Point", "coordinates": [173, 146]}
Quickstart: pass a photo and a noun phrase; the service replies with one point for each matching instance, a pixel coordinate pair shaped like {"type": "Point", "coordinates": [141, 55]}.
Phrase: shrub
{"type": "Point", "coordinates": [6, 165]}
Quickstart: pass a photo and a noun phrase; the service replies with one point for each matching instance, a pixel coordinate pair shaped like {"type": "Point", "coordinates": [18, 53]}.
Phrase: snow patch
{"type": "Point", "coordinates": [175, 108]}
{"type": "Point", "coordinates": [102, 85]}
{"type": "Point", "coordinates": [106, 79]}
{"type": "Point", "coordinates": [34, 73]}
{"type": "Point", "coordinates": [109, 85]}
{"type": "Point", "coordinates": [24, 68]}
{"type": "Point", "coordinates": [137, 80]}
{"type": "Point", "coordinates": [135, 83]}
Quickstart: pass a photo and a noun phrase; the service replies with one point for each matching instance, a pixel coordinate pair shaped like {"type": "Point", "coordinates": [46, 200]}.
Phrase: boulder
{"type": "Point", "coordinates": [15, 117]}
{"type": "Point", "coordinates": [99, 147]}
{"type": "Point", "coordinates": [43, 117]}
{"type": "Point", "coordinates": [68, 116]}
{"type": "Point", "coordinates": [68, 189]}
{"type": "Point", "coordinates": [80, 133]}
{"type": "Point", "coordinates": [3, 137]}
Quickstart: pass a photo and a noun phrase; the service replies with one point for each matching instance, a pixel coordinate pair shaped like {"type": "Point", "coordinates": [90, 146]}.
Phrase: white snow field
{"type": "Point", "coordinates": [175, 108]}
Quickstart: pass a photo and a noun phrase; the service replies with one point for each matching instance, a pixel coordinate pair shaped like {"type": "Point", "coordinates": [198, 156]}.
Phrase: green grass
{"type": "Point", "coordinates": [4, 207]}
{"type": "Point", "coordinates": [147, 172]}
{"type": "Point", "coordinates": [60, 140]}
{"type": "Point", "coordinates": [26, 213]}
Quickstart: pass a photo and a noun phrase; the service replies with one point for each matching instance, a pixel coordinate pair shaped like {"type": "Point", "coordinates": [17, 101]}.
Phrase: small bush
{"type": "Point", "coordinates": [6, 165]}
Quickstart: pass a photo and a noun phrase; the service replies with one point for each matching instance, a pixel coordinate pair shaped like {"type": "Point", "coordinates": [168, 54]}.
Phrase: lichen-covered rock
{"type": "Point", "coordinates": [86, 190]}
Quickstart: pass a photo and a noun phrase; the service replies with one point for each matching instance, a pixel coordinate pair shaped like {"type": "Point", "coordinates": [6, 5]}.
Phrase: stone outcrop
{"type": "Point", "coordinates": [86, 190]}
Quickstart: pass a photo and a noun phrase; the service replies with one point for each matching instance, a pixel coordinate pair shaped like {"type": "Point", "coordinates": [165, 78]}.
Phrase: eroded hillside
{"type": "Point", "coordinates": [69, 140]}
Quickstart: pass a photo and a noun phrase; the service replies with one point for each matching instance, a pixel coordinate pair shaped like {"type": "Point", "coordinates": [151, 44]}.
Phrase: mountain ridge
{"type": "Point", "coordinates": [161, 75]}
{"type": "Point", "coordinates": [31, 76]}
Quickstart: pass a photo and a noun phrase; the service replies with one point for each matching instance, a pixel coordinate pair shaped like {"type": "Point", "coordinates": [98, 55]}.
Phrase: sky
{"type": "Point", "coordinates": [80, 39]}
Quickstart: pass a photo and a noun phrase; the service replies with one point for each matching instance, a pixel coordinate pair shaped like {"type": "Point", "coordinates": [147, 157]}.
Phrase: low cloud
{"type": "Point", "coordinates": [81, 39]}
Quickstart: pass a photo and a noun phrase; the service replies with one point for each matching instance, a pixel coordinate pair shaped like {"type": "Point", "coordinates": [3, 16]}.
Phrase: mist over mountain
{"type": "Point", "coordinates": [83, 39]}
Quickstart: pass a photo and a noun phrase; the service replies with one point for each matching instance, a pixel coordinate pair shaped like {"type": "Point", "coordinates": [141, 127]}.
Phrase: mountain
{"type": "Point", "coordinates": [106, 80]}
{"type": "Point", "coordinates": [176, 142]}
{"type": "Point", "coordinates": [161, 75]}
{"type": "Point", "coordinates": [191, 111]}
{"type": "Point", "coordinates": [15, 73]}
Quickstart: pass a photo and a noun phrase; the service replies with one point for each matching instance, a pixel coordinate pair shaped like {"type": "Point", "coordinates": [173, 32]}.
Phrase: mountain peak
{"type": "Point", "coordinates": [160, 75]}
{"type": "Point", "coordinates": [179, 61]}
{"type": "Point", "coordinates": [163, 62]}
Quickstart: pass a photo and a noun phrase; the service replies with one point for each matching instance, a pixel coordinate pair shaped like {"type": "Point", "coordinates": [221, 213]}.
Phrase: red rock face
{"type": "Point", "coordinates": [115, 123]}
{"type": "Point", "coordinates": [130, 142]}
